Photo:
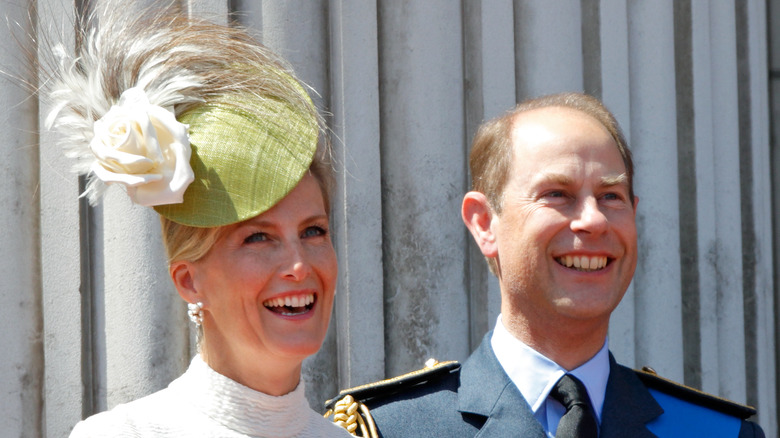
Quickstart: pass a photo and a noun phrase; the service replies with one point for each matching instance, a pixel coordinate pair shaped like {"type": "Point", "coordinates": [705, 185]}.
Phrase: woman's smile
{"type": "Point", "coordinates": [292, 305]}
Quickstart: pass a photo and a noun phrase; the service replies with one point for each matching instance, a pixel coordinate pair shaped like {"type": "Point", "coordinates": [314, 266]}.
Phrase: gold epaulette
{"type": "Point", "coordinates": [348, 408]}
{"type": "Point", "coordinates": [652, 380]}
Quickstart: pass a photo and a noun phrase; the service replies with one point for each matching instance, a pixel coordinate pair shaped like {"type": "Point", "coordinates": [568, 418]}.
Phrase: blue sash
{"type": "Point", "coordinates": [685, 419]}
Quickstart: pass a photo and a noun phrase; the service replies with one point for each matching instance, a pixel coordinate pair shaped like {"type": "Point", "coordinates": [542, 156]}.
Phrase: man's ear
{"type": "Point", "coordinates": [478, 217]}
{"type": "Point", "coordinates": [182, 274]}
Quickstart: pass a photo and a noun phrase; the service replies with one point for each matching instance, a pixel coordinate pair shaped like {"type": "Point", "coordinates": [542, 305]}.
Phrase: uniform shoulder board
{"type": "Point", "coordinates": [348, 408]}
{"type": "Point", "coordinates": [652, 380]}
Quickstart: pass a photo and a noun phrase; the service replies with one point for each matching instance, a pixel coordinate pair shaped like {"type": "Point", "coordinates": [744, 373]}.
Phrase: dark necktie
{"type": "Point", "coordinates": [579, 421]}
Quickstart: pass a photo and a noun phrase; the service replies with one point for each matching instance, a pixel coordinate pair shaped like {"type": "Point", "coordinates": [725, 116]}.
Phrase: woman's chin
{"type": "Point", "coordinates": [301, 348]}
{"type": "Point", "coordinates": [295, 343]}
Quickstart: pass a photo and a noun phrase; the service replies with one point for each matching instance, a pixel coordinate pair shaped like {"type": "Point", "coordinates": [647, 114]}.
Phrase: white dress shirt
{"type": "Point", "coordinates": [535, 375]}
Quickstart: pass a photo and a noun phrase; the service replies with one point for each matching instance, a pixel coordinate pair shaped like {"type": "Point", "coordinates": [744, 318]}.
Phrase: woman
{"type": "Point", "coordinates": [205, 125]}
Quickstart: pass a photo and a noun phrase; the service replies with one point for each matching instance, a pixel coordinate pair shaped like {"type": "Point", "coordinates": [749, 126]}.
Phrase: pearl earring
{"type": "Point", "coordinates": [194, 310]}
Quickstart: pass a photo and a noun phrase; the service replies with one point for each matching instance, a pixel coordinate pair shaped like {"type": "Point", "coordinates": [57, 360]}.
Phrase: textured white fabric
{"type": "Point", "coordinates": [204, 403]}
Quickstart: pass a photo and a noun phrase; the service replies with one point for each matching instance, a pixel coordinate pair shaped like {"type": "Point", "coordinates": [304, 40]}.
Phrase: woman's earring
{"type": "Point", "coordinates": [194, 310]}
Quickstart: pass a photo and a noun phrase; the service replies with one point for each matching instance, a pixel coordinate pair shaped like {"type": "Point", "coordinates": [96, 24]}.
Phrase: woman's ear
{"type": "Point", "coordinates": [182, 274]}
{"type": "Point", "coordinates": [478, 217]}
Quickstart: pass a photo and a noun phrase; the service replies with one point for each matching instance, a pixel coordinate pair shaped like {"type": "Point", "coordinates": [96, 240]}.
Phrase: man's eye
{"type": "Point", "coordinates": [555, 194]}
{"type": "Point", "coordinates": [256, 237]}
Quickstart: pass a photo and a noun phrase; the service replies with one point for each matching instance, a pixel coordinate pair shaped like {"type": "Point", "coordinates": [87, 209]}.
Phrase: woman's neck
{"type": "Point", "coordinates": [270, 375]}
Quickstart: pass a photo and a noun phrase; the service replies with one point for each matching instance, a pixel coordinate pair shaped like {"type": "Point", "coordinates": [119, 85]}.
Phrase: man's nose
{"type": "Point", "coordinates": [589, 217]}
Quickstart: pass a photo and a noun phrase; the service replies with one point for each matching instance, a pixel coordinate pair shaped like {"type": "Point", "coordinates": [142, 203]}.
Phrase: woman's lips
{"type": "Point", "coordinates": [291, 305]}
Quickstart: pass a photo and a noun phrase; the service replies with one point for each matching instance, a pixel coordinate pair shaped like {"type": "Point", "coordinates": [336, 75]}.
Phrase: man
{"type": "Point", "coordinates": [553, 211]}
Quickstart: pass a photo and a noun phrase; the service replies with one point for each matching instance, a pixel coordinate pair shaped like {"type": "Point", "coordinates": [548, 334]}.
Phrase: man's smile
{"type": "Point", "coordinates": [583, 263]}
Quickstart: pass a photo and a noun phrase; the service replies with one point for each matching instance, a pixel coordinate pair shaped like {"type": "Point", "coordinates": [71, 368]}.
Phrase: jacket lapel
{"type": "Point", "coordinates": [487, 391]}
{"type": "Point", "coordinates": [628, 406]}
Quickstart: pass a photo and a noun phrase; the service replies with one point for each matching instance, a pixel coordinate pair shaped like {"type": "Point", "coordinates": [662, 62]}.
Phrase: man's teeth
{"type": "Point", "coordinates": [290, 301]}
{"type": "Point", "coordinates": [583, 263]}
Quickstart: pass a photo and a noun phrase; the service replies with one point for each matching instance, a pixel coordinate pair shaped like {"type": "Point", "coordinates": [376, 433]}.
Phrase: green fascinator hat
{"type": "Point", "coordinates": [248, 153]}
{"type": "Point", "coordinates": [196, 120]}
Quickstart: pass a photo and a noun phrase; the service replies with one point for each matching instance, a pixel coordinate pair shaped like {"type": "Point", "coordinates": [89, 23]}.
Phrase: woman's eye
{"type": "Point", "coordinates": [314, 231]}
{"type": "Point", "coordinates": [256, 237]}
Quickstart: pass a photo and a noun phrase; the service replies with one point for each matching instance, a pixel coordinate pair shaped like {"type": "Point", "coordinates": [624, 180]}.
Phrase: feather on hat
{"type": "Point", "coordinates": [196, 119]}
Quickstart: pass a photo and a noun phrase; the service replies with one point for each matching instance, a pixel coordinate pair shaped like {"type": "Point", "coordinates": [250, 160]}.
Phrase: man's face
{"type": "Point", "coordinates": [566, 237]}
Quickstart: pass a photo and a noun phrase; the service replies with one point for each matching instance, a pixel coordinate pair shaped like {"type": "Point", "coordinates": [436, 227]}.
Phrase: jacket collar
{"type": "Point", "coordinates": [628, 405]}
{"type": "Point", "coordinates": [486, 390]}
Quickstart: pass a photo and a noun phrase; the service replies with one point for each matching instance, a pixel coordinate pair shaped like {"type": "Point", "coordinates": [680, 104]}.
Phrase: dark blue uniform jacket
{"type": "Point", "coordinates": [479, 400]}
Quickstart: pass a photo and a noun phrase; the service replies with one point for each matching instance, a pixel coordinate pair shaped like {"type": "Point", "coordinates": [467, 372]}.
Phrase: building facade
{"type": "Point", "coordinates": [90, 318]}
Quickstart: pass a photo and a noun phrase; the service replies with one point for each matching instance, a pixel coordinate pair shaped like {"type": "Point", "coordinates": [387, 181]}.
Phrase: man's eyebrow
{"type": "Point", "coordinates": [556, 178]}
{"type": "Point", "coordinates": [565, 180]}
{"type": "Point", "coordinates": [609, 181]}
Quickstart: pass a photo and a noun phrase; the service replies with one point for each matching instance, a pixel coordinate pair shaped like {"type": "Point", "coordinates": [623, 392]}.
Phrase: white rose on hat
{"type": "Point", "coordinates": [143, 147]}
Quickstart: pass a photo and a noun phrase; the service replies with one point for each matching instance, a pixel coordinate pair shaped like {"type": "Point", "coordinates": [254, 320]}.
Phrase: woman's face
{"type": "Point", "coordinates": [268, 283]}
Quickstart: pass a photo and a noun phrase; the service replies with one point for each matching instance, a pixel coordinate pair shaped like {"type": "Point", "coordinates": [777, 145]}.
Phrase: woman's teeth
{"type": "Point", "coordinates": [583, 263]}
{"type": "Point", "coordinates": [290, 305]}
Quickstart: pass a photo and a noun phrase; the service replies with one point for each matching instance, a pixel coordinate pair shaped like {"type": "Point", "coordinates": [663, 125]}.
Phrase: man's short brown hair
{"type": "Point", "coordinates": [492, 152]}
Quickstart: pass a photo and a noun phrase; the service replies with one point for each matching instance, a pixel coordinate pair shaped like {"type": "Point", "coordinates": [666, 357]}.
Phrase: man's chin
{"type": "Point", "coordinates": [585, 309]}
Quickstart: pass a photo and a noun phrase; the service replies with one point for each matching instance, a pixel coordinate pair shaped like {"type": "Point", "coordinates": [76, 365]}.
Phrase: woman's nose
{"type": "Point", "coordinates": [295, 265]}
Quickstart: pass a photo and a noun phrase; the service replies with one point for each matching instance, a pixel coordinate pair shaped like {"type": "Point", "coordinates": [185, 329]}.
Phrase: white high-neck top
{"type": "Point", "coordinates": [204, 403]}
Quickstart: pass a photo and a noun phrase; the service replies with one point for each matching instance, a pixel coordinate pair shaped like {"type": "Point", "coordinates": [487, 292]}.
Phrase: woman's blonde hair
{"type": "Point", "coordinates": [186, 243]}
